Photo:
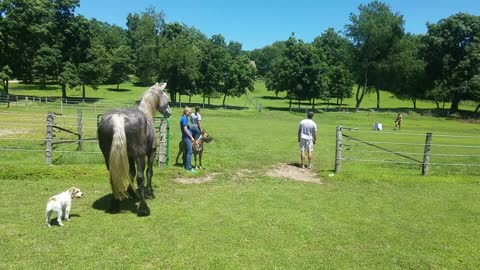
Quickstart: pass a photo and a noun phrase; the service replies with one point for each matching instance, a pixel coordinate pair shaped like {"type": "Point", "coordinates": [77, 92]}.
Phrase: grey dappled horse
{"type": "Point", "coordinates": [126, 136]}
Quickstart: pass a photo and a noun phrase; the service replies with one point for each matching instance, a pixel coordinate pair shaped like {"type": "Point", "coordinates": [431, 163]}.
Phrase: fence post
{"type": "Point", "coordinates": [163, 155]}
{"type": "Point", "coordinates": [26, 102]}
{"type": "Point", "coordinates": [426, 154]}
{"type": "Point", "coordinates": [80, 129]}
{"type": "Point", "coordinates": [49, 138]}
{"type": "Point", "coordinates": [338, 150]}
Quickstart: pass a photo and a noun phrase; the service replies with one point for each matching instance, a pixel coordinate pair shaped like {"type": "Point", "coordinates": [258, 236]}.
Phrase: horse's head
{"type": "Point", "coordinates": [162, 105]}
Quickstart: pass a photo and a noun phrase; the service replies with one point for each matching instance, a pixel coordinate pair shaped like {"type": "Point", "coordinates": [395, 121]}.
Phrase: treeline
{"type": "Point", "coordinates": [44, 40]}
{"type": "Point", "coordinates": [376, 53]}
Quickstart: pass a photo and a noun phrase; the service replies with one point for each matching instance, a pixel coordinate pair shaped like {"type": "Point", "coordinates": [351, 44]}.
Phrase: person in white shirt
{"type": "Point", "coordinates": [196, 119]}
{"type": "Point", "coordinates": [307, 137]}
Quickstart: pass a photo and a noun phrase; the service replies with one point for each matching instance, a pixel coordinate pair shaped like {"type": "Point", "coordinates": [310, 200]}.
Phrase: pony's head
{"type": "Point", "coordinates": [157, 98]}
{"type": "Point", "coordinates": [163, 106]}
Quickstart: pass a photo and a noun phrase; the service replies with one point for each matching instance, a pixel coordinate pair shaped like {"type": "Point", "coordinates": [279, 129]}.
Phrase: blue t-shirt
{"type": "Point", "coordinates": [184, 122]}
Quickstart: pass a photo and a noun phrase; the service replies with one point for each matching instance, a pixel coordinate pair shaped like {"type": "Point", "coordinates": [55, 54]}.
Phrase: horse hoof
{"type": "Point", "coordinates": [114, 207]}
{"type": "Point", "coordinates": [149, 194]}
{"type": "Point", "coordinates": [143, 210]}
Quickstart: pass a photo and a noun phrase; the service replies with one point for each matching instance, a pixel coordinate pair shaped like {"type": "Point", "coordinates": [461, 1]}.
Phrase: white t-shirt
{"type": "Point", "coordinates": [195, 117]}
{"type": "Point", "coordinates": [307, 128]}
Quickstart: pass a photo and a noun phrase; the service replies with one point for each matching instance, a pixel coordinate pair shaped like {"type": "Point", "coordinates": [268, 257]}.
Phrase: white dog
{"type": "Point", "coordinates": [61, 203]}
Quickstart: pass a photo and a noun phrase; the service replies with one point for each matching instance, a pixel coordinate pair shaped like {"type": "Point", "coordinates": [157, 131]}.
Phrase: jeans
{"type": "Point", "coordinates": [195, 132]}
{"type": "Point", "coordinates": [187, 158]}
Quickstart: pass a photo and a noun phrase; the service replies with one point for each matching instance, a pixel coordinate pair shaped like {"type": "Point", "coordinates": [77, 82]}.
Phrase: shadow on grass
{"type": "Point", "coordinates": [54, 222]}
{"type": "Point", "coordinates": [120, 90]}
{"type": "Point", "coordinates": [103, 204]}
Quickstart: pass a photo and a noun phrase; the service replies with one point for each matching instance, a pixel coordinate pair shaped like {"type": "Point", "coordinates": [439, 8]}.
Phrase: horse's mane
{"type": "Point", "coordinates": [151, 100]}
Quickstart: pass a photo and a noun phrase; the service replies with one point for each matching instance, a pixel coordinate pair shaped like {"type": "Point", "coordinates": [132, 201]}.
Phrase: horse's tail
{"type": "Point", "coordinates": [118, 161]}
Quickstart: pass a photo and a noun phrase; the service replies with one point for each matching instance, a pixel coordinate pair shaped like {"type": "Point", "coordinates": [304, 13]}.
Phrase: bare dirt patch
{"type": "Point", "coordinates": [196, 180]}
{"type": "Point", "coordinates": [293, 172]}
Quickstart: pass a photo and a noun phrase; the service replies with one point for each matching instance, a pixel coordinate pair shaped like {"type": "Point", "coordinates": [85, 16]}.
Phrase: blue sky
{"type": "Point", "coordinates": [259, 23]}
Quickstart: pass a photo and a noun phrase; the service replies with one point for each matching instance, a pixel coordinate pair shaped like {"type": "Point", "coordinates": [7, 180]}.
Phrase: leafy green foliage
{"type": "Point", "coordinates": [374, 31]}
{"type": "Point", "coordinates": [453, 56]}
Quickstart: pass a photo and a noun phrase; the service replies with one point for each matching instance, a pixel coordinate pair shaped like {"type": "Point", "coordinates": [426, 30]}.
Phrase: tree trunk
{"type": "Point", "coordinates": [455, 101]}
{"type": "Point", "coordinates": [64, 91]}
{"type": "Point", "coordinates": [478, 107]}
{"type": "Point", "coordinates": [378, 98]}
{"type": "Point", "coordinates": [118, 86]}
{"type": "Point", "coordinates": [313, 104]}
{"type": "Point", "coordinates": [359, 99]}
{"type": "Point", "coordinates": [43, 84]}
{"type": "Point", "coordinates": [208, 100]}
{"type": "Point", "coordinates": [290, 104]}
{"type": "Point", "coordinates": [438, 105]}
{"type": "Point", "coordinates": [190, 99]}
{"type": "Point", "coordinates": [414, 100]}
{"type": "Point", "coordinates": [298, 103]}
{"type": "Point", "coordinates": [224, 98]}
{"type": "Point", "coordinates": [83, 91]}
{"type": "Point", "coordinates": [6, 87]}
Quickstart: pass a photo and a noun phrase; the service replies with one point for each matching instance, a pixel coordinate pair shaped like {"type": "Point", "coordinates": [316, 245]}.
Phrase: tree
{"type": "Point", "coordinates": [144, 32]}
{"type": "Point", "coordinates": [68, 76]}
{"type": "Point", "coordinates": [338, 54]}
{"type": "Point", "coordinates": [265, 57]}
{"type": "Point", "coordinates": [120, 63]}
{"type": "Point", "coordinates": [374, 32]}
{"type": "Point", "coordinates": [453, 56]}
{"type": "Point", "coordinates": [95, 71]}
{"type": "Point", "coordinates": [404, 70]}
{"type": "Point", "coordinates": [5, 75]}
{"type": "Point", "coordinates": [46, 64]}
{"type": "Point", "coordinates": [179, 60]}
{"type": "Point", "coordinates": [213, 66]}
{"type": "Point", "coordinates": [300, 71]}
{"type": "Point", "coordinates": [240, 77]}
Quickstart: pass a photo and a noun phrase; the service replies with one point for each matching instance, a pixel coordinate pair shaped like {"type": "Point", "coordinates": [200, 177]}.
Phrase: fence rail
{"type": "Point", "coordinates": [346, 151]}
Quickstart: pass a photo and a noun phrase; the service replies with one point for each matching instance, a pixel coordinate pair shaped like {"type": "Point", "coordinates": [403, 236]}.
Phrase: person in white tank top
{"type": "Point", "coordinates": [196, 120]}
{"type": "Point", "coordinates": [307, 137]}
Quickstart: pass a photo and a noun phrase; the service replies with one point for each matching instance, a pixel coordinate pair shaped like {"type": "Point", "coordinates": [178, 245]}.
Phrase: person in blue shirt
{"type": "Point", "coordinates": [187, 138]}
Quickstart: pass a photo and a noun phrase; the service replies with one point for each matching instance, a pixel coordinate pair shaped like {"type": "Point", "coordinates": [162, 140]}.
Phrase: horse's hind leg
{"type": "Point", "coordinates": [131, 189]}
{"type": "Point", "coordinates": [114, 203]}
{"type": "Point", "coordinates": [149, 191]}
{"type": "Point", "coordinates": [143, 209]}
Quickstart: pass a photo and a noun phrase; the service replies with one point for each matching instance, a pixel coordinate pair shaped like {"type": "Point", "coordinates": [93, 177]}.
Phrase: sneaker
{"type": "Point", "coordinates": [302, 166]}
{"type": "Point", "coordinates": [310, 166]}
{"type": "Point", "coordinates": [192, 171]}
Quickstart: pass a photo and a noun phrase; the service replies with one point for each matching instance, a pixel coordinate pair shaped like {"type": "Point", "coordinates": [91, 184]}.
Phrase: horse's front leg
{"type": "Point", "coordinates": [200, 159]}
{"type": "Point", "coordinates": [149, 192]}
{"type": "Point", "coordinates": [143, 209]}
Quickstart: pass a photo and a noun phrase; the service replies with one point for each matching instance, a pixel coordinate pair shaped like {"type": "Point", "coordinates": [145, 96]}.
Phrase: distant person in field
{"type": "Point", "coordinates": [398, 121]}
{"type": "Point", "coordinates": [187, 138]}
{"type": "Point", "coordinates": [196, 120]}
{"type": "Point", "coordinates": [307, 137]}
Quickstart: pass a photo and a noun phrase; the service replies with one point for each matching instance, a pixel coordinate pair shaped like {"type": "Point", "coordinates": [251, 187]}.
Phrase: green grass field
{"type": "Point", "coordinates": [378, 213]}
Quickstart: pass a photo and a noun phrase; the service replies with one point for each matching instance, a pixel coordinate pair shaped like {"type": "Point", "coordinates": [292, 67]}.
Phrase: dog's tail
{"type": "Point", "coordinates": [118, 161]}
